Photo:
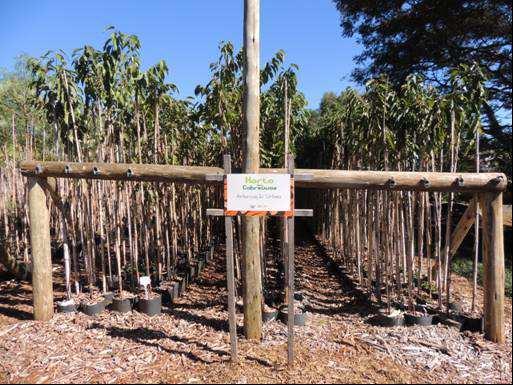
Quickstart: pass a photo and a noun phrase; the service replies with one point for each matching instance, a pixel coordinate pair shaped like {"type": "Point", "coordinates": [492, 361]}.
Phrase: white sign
{"type": "Point", "coordinates": [258, 192]}
{"type": "Point", "coordinates": [144, 281]}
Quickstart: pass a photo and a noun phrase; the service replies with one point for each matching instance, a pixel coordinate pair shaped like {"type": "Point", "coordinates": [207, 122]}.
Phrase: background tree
{"type": "Point", "coordinates": [430, 37]}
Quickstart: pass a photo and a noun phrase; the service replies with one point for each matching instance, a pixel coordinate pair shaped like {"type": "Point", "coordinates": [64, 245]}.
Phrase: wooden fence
{"type": "Point", "coordinates": [487, 187]}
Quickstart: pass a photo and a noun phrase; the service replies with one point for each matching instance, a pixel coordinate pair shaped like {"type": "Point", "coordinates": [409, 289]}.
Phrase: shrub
{"type": "Point", "coordinates": [463, 267]}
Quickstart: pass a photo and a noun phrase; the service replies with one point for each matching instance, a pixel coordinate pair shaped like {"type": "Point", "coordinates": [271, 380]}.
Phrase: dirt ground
{"type": "Point", "coordinates": [189, 342]}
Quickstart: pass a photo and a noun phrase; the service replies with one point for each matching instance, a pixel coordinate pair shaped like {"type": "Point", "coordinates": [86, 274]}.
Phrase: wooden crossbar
{"type": "Point", "coordinates": [322, 179]}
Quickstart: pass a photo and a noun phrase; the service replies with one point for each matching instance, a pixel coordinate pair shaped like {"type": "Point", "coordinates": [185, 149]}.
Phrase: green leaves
{"type": "Point", "coordinates": [408, 124]}
{"type": "Point", "coordinates": [219, 107]}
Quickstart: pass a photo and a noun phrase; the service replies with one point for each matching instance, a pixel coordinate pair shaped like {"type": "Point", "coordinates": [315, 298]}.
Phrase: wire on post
{"type": "Point", "coordinates": [497, 180]}
{"type": "Point", "coordinates": [425, 183]}
{"type": "Point", "coordinates": [391, 183]}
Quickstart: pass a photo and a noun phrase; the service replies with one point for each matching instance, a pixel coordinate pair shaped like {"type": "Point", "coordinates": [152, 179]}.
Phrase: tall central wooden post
{"type": "Point", "coordinates": [251, 225]}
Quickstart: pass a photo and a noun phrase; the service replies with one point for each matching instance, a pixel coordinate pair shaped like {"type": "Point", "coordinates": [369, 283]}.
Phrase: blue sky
{"type": "Point", "coordinates": [186, 34]}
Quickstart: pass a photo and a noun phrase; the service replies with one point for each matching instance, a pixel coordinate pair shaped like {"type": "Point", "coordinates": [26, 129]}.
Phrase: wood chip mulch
{"type": "Point", "coordinates": [189, 342]}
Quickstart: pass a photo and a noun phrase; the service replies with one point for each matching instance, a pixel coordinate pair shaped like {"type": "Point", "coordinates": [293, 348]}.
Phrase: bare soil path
{"type": "Point", "coordinates": [189, 342]}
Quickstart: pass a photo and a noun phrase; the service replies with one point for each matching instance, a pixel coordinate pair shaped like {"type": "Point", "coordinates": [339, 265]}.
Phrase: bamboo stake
{"type": "Point", "coordinates": [476, 229]}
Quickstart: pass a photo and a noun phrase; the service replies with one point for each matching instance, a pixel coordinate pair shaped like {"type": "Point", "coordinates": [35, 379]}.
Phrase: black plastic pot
{"type": "Point", "coordinates": [107, 298]}
{"type": "Point", "coordinates": [122, 305]}
{"type": "Point", "coordinates": [422, 320]}
{"type": "Point", "coordinates": [174, 291]}
{"type": "Point", "coordinates": [201, 265]}
{"type": "Point", "coordinates": [474, 325]}
{"type": "Point", "coordinates": [455, 307]}
{"type": "Point", "coordinates": [66, 307]}
{"type": "Point", "coordinates": [93, 309]}
{"type": "Point", "coordinates": [151, 307]}
{"type": "Point", "coordinates": [164, 293]}
{"type": "Point", "coordinates": [170, 292]}
{"type": "Point", "coordinates": [269, 315]}
{"type": "Point", "coordinates": [191, 272]}
{"type": "Point", "coordinates": [390, 321]}
{"type": "Point", "coordinates": [182, 282]}
{"type": "Point", "coordinates": [399, 305]}
{"type": "Point", "coordinates": [298, 296]}
{"type": "Point", "coordinates": [447, 321]}
{"type": "Point", "coordinates": [299, 318]}
{"type": "Point", "coordinates": [421, 308]}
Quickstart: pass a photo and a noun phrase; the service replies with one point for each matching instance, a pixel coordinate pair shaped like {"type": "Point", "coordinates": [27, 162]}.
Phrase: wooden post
{"type": "Point", "coordinates": [251, 225]}
{"type": "Point", "coordinates": [41, 252]}
{"type": "Point", "coordinates": [464, 225]}
{"type": "Point", "coordinates": [228, 225]}
{"type": "Point", "coordinates": [284, 221]}
{"type": "Point", "coordinates": [493, 258]}
{"type": "Point", "coordinates": [290, 273]}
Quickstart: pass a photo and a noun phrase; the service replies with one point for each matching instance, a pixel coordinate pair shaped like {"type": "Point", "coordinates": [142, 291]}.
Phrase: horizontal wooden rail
{"type": "Point", "coordinates": [402, 180]}
{"type": "Point", "coordinates": [119, 171]}
{"type": "Point", "coordinates": [327, 179]}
